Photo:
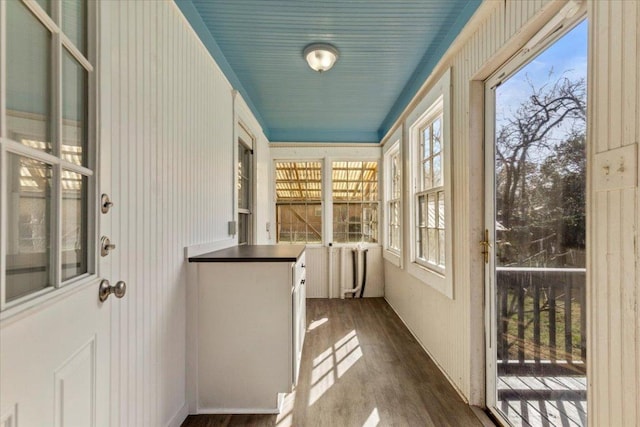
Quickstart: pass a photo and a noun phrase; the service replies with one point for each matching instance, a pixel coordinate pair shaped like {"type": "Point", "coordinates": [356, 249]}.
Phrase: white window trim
{"type": "Point", "coordinates": [326, 153]}
{"type": "Point", "coordinates": [329, 199]}
{"type": "Point", "coordinates": [391, 149]}
{"type": "Point", "coordinates": [438, 278]}
{"type": "Point", "coordinates": [246, 140]}
{"type": "Point", "coordinates": [322, 199]}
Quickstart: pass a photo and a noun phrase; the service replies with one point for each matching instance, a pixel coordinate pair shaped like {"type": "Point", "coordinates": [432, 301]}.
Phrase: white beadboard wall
{"type": "Point", "coordinates": [318, 272]}
{"type": "Point", "coordinates": [452, 330]}
{"type": "Point", "coordinates": [614, 286]}
{"type": "Point", "coordinates": [169, 113]}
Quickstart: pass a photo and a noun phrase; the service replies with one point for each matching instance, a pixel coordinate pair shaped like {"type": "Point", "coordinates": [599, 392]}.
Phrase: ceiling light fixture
{"type": "Point", "coordinates": [320, 56]}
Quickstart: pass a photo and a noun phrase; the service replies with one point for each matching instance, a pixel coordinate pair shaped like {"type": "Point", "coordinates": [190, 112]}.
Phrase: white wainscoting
{"type": "Point", "coordinates": [168, 121]}
{"type": "Point", "coordinates": [318, 272]}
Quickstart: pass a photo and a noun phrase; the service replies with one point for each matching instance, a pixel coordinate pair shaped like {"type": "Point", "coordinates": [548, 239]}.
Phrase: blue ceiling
{"type": "Point", "coordinates": [387, 50]}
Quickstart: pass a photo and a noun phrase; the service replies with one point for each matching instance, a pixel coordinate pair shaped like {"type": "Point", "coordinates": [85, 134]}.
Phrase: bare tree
{"type": "Point", "coordinates": [551, 106]}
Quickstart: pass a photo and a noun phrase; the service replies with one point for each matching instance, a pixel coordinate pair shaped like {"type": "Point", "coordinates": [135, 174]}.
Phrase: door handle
{"type": "Point", "coordinates": [106, 289]}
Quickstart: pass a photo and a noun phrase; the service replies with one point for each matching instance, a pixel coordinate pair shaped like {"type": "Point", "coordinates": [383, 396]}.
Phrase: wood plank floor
{"type": "Point", "coordinates": [360, 367]}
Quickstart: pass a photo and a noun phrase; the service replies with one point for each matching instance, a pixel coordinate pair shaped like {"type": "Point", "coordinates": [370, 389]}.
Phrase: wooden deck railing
{"type": "Point", "coordinates": [541, 321]}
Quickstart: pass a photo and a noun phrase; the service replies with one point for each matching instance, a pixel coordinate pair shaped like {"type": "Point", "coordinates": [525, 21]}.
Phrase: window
{"type": "Point", "coordinates": [430, 221]}
{"type": "Point", "coordinates": [355, 202]}
{"type": "Point", "coordinates": [393, 191]}
{"type": "Point", "coordinates": [430, 258]}
{"type": "Point", "coordinates": [299, 202]}
{"type": "Point", "coordinates": [245, 194]}
{"type": "Point", "coordinates": [47, 148]}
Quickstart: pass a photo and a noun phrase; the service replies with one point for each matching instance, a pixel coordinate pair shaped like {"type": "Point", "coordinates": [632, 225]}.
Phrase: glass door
{"type": "Point", "coordinates": [536, 233]}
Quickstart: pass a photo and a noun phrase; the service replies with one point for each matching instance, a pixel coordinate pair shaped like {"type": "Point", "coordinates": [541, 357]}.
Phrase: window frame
{"type": "Point", "coordinates": [333, 160]}
{"type": "Point", "coordinates": [61, 45]}
{"type": "Point", "coordinates": [434, 114]}
{"type": "Point", "coordinates": [246, 140]}
{"type": "Point", "coordinates": [322, 198]}
{"type": "Point", "coordinates": [391, 150]}
{"type": "Point", "coordinates": [437, 101]}
{"type": "Point", "coordinates": [326, 154]}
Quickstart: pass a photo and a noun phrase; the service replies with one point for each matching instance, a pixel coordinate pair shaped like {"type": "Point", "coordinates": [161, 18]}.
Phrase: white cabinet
{"type": "Point", "coordinates": [299, 315]}
{"type": "Point", "coordinates": [251, 323]}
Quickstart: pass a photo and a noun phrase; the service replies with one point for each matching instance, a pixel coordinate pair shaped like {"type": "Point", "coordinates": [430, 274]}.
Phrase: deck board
{"type": "Point", "coordinates": [360, 366]}
{"type": "Point", "coordinates": [543, 401]}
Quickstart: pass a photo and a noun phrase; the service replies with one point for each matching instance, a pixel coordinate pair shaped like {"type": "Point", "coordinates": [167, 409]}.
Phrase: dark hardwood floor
{"type": "Point", "coordinates": [360, 367]}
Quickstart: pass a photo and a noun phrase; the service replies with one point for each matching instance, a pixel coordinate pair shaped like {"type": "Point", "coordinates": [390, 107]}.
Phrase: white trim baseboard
{"type": "Point", "coordinates": [179, 417]}
{"type": "Point", "coordinates": [205, 411]}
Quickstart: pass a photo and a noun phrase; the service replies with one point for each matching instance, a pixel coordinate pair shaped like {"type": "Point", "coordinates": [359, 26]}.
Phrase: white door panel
{"type": "Point", "coordinates": [54, 364]}
{"type": "Point", "coordinates": [55, 336]}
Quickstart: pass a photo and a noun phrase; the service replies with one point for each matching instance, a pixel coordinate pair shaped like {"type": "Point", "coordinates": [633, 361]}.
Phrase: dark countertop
{"type": "Point", "coordinates": [253, 253]}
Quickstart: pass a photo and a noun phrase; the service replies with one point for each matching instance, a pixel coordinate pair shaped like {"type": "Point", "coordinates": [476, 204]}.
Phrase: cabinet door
{"type": "Point", "coordinates": [299, 309]}
{"type": "Point", "coordinates": [295, 301]}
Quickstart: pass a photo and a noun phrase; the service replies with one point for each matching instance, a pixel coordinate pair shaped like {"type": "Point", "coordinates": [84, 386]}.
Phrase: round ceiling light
{"type": "Point", "coordinates": [320, 56]}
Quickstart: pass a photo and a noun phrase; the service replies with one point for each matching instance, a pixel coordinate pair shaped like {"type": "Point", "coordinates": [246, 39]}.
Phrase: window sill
{"type": "Point", "coordinates": [434, 279]}
{"type": "Point", "coordinates": [393, 257]}
{"type": "Point", "coordinates": [355, 244]}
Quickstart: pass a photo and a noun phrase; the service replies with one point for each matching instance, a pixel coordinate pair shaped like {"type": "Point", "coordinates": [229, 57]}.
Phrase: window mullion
{"type": "Point", "coordinates": [75, 53]}
{"type": "Point", "coordinates": [56, 182]}
{"type": "Point", "coordinates": [327, 198]}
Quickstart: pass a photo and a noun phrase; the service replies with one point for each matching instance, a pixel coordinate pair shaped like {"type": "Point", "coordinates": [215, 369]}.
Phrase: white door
{"type": "Point", "coordinates": [54, 331]}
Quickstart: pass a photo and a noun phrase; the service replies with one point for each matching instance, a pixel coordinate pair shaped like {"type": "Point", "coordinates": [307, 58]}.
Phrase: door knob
{"type": "Point", "coordinates": [106, 289]}
{"type": "Point", "coordinates": [106, 246]}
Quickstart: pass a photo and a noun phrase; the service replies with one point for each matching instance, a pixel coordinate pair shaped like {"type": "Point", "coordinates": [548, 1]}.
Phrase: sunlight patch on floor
{"type": "Point", "coordinates": [373, 420]}
{"type": "Point", "coordinates": [316, 323]}
{"type": "Point", "coordinates": [333, 363]}
{"type": "Point", "coordinates": [285, 417]}
{"type": "Point", "coordinates": [348, 361]}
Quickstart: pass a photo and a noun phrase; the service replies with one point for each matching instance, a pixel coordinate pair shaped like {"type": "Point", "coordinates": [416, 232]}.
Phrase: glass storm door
{"type": "Point", "coordinates": [536, 235]}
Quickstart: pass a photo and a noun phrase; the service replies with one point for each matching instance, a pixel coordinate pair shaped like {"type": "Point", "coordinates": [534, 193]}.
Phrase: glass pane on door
{"type": "Point", "coordinates": [74, 22]}
{"type": "Point", "coordinates": [74, 224]}
{"type": "Point", "coordinates": [75, 113]}
{"type": "Point", "coordinates": [28, 78]}
{"type": "Point", "coordinates": [540, 238]}
{"type": "Point", "coordinates": [28, 257]}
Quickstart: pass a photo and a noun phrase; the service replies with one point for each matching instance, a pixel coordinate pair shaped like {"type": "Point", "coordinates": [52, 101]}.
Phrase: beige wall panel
{"type": "Point", "coordinates": [630, 388]}
{"type": "Point", "coordinates": [614, 243]}
{"type": "Point", "coordinates": [630, 75]}
{"type": "Point", "coordinates": [614, 358]}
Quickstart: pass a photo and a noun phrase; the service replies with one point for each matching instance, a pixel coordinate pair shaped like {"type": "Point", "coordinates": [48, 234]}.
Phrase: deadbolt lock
{"type": "Point", "coordinates": [105, 203]}
{"type": "Point", "coordinates": [106, 246]}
